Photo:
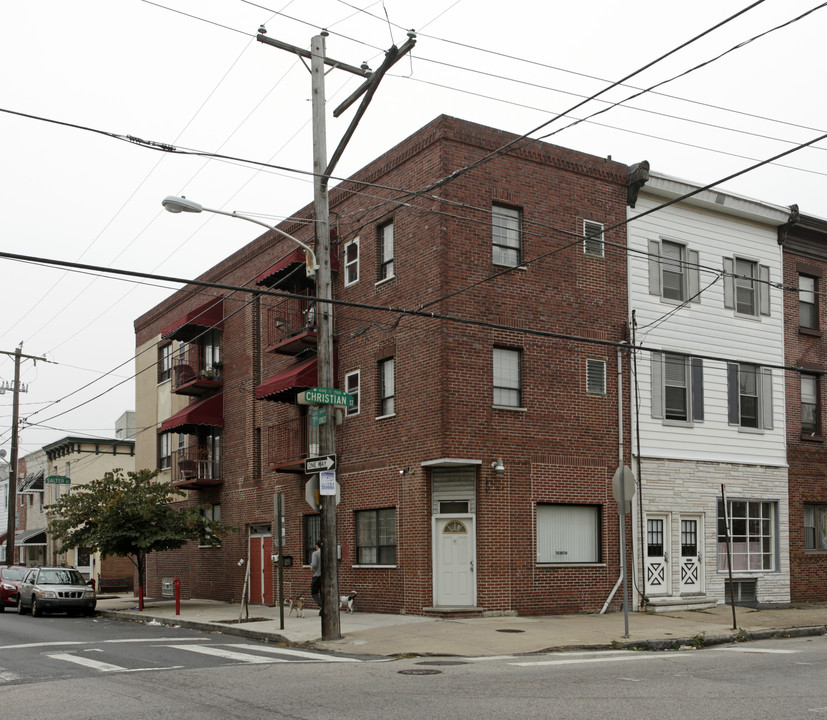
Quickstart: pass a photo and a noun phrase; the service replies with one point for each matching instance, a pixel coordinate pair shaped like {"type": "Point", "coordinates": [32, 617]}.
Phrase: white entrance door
{"type": "Point", "coordinates": [691, 574]}
{"type": "Point", "coordinates": [455, 577]}
{"type": "Point", "coordinates": [657, 555]}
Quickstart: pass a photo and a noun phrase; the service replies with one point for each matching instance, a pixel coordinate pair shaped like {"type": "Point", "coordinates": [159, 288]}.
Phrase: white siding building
{"type": "Point", "coordinates": [708, 315]}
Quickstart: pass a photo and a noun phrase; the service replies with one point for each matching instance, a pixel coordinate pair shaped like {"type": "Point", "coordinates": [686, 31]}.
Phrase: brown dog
{"type": "Point", "coordinates": [297, 605]}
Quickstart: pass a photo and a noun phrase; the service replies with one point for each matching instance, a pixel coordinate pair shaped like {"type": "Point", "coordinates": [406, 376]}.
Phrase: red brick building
{"type": "Point", "coordinates": [805, 267]}
{"type": "Point", "coordinates": [476, 464]}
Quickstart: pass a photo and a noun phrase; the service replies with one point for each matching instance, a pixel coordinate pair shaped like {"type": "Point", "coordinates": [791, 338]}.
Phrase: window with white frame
{"type": "Point", "coordinates": [595, 377]}
{"type": "Point", "coordinates": [164, 362]}
{"type": "Point", "coordinates": [376, 537]}
{"type": "Point", "coordinates": [593, 238]}
{"type": "Point", "coordinates": [677, 388]}
{"type": "Point", "coordinates": [352, 262]}
{"type": "Point", "coordinates": [164, 451]}
{"type": "Point", "coordinates": [568, 533]}
{"type": "Point", "coordinates": [352, 380]}
{"type": "Point", "coordinates": [753, 536]}
{"type": "Point", "coordinates": [746, 287]}
{"type": "Point", "coordinates": [673, 271]}
{"type": "Point", "coordinates": [386, 387]}
{"type": "Point", "coordinates": [507, 377]}
{"type": "Point", "coordinates": [386, 251]}
{"type": "Point", "coordinates": [809, 404]}
{"type": "Point", "coordinates": [807, 313]}
{"type": "Point", "coordinates": [749, 396]}
{"type": "Point", "coordinates": [506, 235]}
{"type": "Point", "coordinates": [815, 526]}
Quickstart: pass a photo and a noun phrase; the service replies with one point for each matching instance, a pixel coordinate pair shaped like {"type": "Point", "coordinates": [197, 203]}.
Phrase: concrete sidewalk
{"type": "Point", "coordinates": [395, 635]}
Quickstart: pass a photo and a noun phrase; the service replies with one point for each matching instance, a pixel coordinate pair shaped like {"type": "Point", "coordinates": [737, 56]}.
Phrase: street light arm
{"type": "Point", "coordinates": [175, 204]}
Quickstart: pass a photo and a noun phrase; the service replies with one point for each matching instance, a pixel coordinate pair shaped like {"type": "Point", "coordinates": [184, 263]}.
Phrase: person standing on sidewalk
{"type": "Point", "coordinates": [316, 582]}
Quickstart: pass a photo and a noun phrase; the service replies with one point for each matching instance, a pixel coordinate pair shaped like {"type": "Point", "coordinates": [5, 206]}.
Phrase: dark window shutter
{"type": "Point", "coordinates": [657, 385]}
{"type": "Point", "coordinates": [729, 283]}
{"type": "Point", "coordinates": [697, 389]}
{"type": "Point", "coordinates": [733, 400]}
{"type": "Point", "coordinates": [766, 398]}
{"type": "Point", "coordinates": [693, 276]}
{"type": "Point", "coordinates": [654, 267]}
{"type": "Point", "coordinates": [764, 289]}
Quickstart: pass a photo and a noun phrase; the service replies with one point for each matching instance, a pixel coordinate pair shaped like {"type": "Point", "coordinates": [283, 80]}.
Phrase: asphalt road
{"type": "Point", "coordinates": [76, 668]}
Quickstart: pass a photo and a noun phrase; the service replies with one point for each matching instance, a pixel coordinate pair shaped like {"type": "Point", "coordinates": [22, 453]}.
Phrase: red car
{"type": "Point", "coordinates": [10, 578]}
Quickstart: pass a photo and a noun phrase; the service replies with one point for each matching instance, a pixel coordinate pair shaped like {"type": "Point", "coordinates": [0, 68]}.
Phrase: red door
{"type": "Point", "coordinates": [261, 570]}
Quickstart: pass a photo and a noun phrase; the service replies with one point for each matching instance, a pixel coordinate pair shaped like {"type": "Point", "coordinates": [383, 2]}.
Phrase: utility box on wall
{"type": "Point", "coordinates": [167, 587]}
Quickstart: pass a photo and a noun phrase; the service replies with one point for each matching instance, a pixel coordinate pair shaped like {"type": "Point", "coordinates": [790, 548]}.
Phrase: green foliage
{"type": "Point", "coordinates": [128, 515]}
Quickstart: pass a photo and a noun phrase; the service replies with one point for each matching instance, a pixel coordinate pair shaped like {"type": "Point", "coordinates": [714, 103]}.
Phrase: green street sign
{"type": "Point", "coordinates": [58, 480]}
{"type": "Point", "coordinates": [318, 416]}
{"type": "Point", "coordinates": [325, 396]}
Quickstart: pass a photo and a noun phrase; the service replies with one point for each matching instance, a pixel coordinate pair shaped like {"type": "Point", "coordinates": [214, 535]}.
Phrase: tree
{"type": "Point", "coordinates": [129, 515]}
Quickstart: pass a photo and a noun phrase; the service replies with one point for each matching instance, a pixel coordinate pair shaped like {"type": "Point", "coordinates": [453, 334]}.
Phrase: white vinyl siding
{"type": "Point", "coordinates": [568, 533]}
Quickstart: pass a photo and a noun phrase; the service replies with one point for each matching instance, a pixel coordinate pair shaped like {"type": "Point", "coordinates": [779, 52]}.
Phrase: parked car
{"type": "Point", "coordinates": [10, 578]}
{"type": "Point", "coordinates": [55, 589]}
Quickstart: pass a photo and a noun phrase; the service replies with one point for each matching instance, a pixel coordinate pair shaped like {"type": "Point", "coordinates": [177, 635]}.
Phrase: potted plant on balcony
{"type": "Point", "coordinates": [213, 372]}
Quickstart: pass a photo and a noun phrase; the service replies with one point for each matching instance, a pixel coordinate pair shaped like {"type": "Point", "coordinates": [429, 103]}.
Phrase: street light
{"type": "Point", "coordinates": [176, 204]}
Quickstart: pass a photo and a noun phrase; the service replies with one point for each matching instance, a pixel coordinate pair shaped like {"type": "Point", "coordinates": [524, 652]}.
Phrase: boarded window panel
{"type": "Point", "coordinates": [568, 533]}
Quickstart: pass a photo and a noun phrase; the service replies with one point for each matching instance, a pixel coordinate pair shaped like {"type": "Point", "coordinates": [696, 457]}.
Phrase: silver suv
{"type": "Point", "coordinates": [55, 589]}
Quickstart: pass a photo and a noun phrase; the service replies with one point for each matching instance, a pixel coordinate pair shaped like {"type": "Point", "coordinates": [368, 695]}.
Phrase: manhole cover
{"type": "Point", "coordinates": [419, 671]}
{"type": "Point", "coordinates": [443, 662]}
{"type": "Point", "coordinates": [512, 630]}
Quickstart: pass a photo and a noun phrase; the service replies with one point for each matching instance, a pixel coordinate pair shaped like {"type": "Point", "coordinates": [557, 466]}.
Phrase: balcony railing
{"type": "Point", "coordinates": [291, 325]}
{"type": "Point", "coordinates": [192, 375]}
{"type": "Point", "coordinates": [287, 445]}
{"type": "Point", "coordinates": [194, 466]}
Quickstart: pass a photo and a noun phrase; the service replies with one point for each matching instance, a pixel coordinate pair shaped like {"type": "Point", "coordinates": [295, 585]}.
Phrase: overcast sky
{"type": "Point", "coordinates": [190, 73]}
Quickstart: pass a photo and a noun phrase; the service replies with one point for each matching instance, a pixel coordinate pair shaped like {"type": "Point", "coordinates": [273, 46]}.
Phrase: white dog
{"type": "Point", "coordinates": [297, 605]}
{"type": "Point", "coordinates": [348, 602]}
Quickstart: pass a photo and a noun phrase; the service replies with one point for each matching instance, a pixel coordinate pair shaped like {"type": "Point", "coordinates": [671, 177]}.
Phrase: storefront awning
{"type": "Point", "coordinates": [30, 537]}
{"type": "Point", "coordinates": [204, 317]}
{"type": "Point", "coordinates": [284, 386]}
{"type": "Point", "coordinates": [207, 413]}
{"type": "Point", "coordinates": [290, 262]}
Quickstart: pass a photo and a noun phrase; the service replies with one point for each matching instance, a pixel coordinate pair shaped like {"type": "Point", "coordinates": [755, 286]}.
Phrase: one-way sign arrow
{"type": "Point", "coordinates": [317, 464]}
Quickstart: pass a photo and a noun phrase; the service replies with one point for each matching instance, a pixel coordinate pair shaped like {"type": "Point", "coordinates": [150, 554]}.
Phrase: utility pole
{"type": "Point", "coordinates": [15, 417]}
{"type": "Point", "coordinates": [331, 627]}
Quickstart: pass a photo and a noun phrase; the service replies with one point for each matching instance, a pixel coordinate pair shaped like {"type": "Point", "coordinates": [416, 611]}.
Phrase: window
{"type": "Point", "coordinates": [673, 271]}
{"type": "Point", "coordinates": [750, 396]}
{"type": "Point", "coordinates": [376, 537]}
{"type": "Point", "coordinates": [593, 238]}
{"type": "Point", "coordinates": [352, 262]}
{"type": "Point", "coordinates": [809, 404]}
{"type": "Point", "coordinates": [386, 251]}
{"type": "Point", "coordinates": [568, 533]}
{"type": "Point", "coordinates": [506, 229]}
{"type": "Point", "coordinates": [213, 513]}
{"type": "Point", "coordinates": [507, 377]}
{"type": "Point", "coordinates": [596, 377]}
{"type": "Point", "coordinates": [815, 527]}
{"type": "Point", "coordinates": [746, 287]}
{"type": "Point", "coordinates": [677, 388]}
{"type": "Point", "coordinates": [386, 387]}
{"type": "Point", "coordinates": [751, 525]}
{"type": "Point", "coordinates": [164, 362]}
{"type": "Point", "coordinates": [352, 389]}
{"type": "Point", "coordinates": [807, 315]}
{"type": "Point", "coordinates": [164, 451]}
{"type": "Point", "coordinates": [312, 535]}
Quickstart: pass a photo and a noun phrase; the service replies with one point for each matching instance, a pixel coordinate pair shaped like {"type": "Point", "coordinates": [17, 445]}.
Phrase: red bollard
{"type": "Point", "coordinates": [177, 583]}
{"type": "Point", "coordinates": [140, 598]}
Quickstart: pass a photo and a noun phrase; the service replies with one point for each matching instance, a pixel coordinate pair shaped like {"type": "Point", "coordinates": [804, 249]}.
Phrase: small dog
{"type": "Point", "coordinates": [297, 605]}
{"type": "Point", "coordinates": [348, 602]}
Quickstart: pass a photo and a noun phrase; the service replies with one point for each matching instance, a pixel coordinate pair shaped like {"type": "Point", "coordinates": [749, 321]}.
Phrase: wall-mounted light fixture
{"type": "Point", "coordinates": [405, 470]}
{"type": "Point", "coordinates": [499, 468]}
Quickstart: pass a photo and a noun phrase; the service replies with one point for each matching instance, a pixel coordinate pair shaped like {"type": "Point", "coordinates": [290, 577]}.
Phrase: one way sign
{"type": "Point", "coordinates": [318, 464]}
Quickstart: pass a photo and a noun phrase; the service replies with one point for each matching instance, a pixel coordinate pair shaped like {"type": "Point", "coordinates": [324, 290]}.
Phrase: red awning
{"type": "Point", "coordinates": [283, 386]}
{"type": "Point", "coordinates": [206, 316]}
{"type": "Point", "coordinates": [279, 269]}
{"type": "Point", "coordinates": [209, 412]}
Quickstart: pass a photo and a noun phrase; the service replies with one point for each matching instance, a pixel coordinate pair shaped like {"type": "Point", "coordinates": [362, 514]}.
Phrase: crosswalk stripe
{"type": "Point", "coordinates": [86, 662]}
{"type": "Point", "coordinates": [759, 650]}
{"type": "Point", "coordinates": [295, 653]}
{"type": "Point", "coordinates": [621, 658]}
{"type": "Point", "coordinates": [227, 654]}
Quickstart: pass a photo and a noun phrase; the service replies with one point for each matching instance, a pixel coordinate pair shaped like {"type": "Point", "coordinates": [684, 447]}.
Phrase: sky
{"type": "Point", "coordinates": [190, 74]}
